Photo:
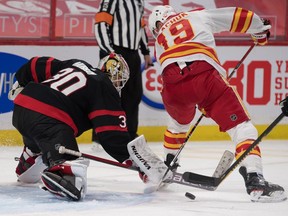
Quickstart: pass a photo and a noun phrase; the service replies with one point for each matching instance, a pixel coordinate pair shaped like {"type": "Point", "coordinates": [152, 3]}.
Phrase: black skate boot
{"type": "Point", "coordinates": [169, 159]}
{"type": "Point", "coordinates": [66, 180]}
{"type": "Point", "coordinates": [260, 190]}
{"type": "Point", "coordinates": [173, 168]}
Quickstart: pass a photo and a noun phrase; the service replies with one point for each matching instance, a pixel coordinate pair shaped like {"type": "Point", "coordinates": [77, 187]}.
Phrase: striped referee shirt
{"type": "Point", "coordinates": [120, 23]}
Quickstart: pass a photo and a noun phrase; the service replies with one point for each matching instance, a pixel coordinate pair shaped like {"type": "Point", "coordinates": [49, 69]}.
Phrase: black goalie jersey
{"type": "Point", "coordinates": [76, 94]}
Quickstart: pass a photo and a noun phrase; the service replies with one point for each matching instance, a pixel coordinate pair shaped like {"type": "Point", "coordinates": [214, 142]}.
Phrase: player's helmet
{"type": "Point", "coordinates": [116, 68]}
{"type": "Point", "coordinates": [159, 14]}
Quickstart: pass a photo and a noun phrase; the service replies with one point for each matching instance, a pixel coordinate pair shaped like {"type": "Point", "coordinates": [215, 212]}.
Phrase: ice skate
{"type": "Point", "coordinates": [68, 179]}
{"type": "Point", "coordinates": [260, 190]}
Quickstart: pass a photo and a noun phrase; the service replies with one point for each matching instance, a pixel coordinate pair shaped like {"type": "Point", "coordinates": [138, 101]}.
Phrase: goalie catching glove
{"type": "Point", "coordinates": [262, 37]}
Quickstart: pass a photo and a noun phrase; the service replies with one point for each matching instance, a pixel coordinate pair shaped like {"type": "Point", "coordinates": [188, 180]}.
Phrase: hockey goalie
{"type": "Point", "coordinates": [55, 102]}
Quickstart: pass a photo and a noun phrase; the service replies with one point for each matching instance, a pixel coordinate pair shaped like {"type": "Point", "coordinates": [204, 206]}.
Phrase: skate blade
{"type": "Point", "coordinates": [277, 196]}
{"type": "Point", "coordinates": [63, 192]}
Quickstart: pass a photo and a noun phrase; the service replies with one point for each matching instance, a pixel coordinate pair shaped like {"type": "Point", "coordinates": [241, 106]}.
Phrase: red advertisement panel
{"type": "Point", "coordinates": [75, 19]}
{"type": "Point", "coordinates": [24, 19]}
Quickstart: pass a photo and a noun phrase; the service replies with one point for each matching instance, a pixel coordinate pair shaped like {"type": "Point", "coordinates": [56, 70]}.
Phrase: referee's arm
{"type": "Point", "coordinates": [144, 46]}
{"type": "Point", "coordinates": [144, 40]}
{"type": "Point", "coordinates": [103, 24]}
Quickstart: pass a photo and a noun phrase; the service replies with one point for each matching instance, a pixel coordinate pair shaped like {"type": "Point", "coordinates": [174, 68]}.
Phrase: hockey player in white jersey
{"type": "Point", "coordinates": [193, 76]}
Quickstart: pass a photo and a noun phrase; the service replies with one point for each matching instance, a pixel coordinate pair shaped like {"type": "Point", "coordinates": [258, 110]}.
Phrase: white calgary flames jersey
{"type": "Point", "coordinates": [188, 36]}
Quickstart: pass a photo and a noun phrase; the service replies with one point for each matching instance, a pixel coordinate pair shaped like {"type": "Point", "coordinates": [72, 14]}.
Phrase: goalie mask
{"type": "Point", "coordinates": [159, 14]}
{"type": "Point", "coordinates": [116, 68]}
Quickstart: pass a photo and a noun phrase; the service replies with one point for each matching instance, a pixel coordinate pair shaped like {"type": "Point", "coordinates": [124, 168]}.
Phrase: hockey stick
{"type": "Point", "coordinates": [177, 178]}
{"type": "Point", "coordinates": [241, 61]}
{"type": "Point", "coordinates": [200, 118]}
{"type": "Point", "coordinates": [215, 182]}
{"type": "Point", "coordinates": [63, 150]}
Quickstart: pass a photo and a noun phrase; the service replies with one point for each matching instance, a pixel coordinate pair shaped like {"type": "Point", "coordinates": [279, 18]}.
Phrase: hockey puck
{"type": "Point", "coordinates": [190, 196]}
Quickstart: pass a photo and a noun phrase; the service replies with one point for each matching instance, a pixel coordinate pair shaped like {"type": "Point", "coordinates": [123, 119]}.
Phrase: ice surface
{"type": "Point", "coordinates": [117, 191]}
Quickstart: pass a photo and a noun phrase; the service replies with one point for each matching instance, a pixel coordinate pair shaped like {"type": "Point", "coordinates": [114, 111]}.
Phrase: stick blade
{"type": "Point", "coordinates": [224, 164]}
{"type": "Point", "coordinates": [206, 181]}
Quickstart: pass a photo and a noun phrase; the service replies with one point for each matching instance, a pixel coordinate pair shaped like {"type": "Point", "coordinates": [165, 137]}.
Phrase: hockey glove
{"type": "Point", "coordinates": [262, 37]}
{"type": "Point", "coordinates": [15, 90]}
{"type": "Point", "coordinates": [284, 104]}
{"type": "Point", "coordinates": [141, 174]}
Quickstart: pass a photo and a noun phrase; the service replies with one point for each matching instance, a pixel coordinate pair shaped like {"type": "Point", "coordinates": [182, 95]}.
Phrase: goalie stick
{"type": "Point", "coordinates": [214, 182]}
{"type": "Point", "coordinates": [201, 117]}
{"type": "Point", "coordinates": [177, 178]}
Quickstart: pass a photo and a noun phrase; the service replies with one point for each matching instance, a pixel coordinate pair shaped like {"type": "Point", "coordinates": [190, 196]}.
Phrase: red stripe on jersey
{"type": "Point", "coordinates": [241, 20]}
{"type": "Point", "coordinates": [48, 68]}
{"type": "Point", "coordinates": [173, 140]}
{"type": "Point", "coordinates": [188, 49]}
{"type": "Point", "coordinates": [45, 109]}
{"type": "Point", "coordinates": [197, 9]}
{"type": "Point", "coordinates": [33, 69]}
{"type": "Point", "coordinates": [105, 112]}
{"type": "Point", "coordinates": [110, 128]}
{"type": "Point", "coordinates": [248, 21]}
{"type": "Point", "coordinates": [239, 17]}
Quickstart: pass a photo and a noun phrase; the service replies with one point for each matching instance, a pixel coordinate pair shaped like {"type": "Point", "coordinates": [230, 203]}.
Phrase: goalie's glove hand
{"type": "Point", "coordinates": [15, 90]}
{"type": "Point", "coordinates": [284, 104]}
{"type": "Point", "coordinates": [141, 174]}
{"type": "Point", "coordinates": [262, 38]}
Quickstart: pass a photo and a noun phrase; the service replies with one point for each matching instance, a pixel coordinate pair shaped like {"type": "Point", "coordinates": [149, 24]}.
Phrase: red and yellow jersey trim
{"type": "Point", "coordinates": [243, 146]}
{"type": "Point", "coordinates": [173, 140]}
{"type": "Point", "coordinates": [241, 20]}
{"type": "Point", "coordinates": [187, 49]}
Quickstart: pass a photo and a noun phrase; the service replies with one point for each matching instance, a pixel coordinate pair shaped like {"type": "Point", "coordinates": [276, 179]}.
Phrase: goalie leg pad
{"type": "Point", "coordinates": [146, 160]}
{"type": "Point", "coordinates": [29, 167]}
{"type": "Point", "coordinates": [59, 186]}
{"type": "Point", "coordinates": [33, 174]}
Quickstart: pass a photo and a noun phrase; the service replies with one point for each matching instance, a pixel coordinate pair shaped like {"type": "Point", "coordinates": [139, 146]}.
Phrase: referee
{"type": "Point", "coordinates": [119, 28]}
